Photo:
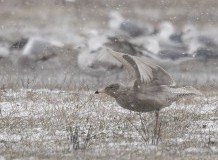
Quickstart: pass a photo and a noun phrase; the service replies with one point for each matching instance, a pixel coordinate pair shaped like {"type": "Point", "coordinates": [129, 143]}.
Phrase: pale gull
{"type": "Point", "coordinates": [150, 87]}
{"type": "Point", "coordinates": [93, 60]}
{"type": "Point", "coordinates": [35, 49]}
{"type": "Point", "coordinates": [197, 40]}
{"type": "Point", "coordinates": [130, 27]}
{"type": "Point", "coordinates": [169, 37]}
{"type": "Point", "coordinates": [97, 63]}
{"type": "Point", "coordinates": [167, 31]}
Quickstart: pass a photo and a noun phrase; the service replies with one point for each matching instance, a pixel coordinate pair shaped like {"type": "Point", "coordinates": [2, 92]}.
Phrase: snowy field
{"type": "Point", "coordinates": [51, 111]}
{"type": "Point", "coordinates": [58, 124]}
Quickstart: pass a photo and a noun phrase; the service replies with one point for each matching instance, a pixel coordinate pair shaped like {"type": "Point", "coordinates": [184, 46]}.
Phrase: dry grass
{"type": "Point", "coordinates": [54, 124]}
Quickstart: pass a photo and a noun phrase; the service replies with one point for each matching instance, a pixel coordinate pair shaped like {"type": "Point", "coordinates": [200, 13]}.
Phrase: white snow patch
{"type": "Point", "coordinates": [196, 150]}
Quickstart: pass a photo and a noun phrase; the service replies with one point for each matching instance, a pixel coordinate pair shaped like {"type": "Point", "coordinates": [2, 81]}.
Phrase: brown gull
{"type": "Point", "coordinates": [150, 87]}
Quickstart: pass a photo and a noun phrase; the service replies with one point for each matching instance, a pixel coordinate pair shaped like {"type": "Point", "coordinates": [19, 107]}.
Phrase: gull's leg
{"type": "Point", "coordinates": [157, 127]}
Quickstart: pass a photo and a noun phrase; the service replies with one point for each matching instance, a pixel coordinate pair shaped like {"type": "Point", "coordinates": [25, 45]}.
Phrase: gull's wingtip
{"type": "Point", "coordinates": [173, 82]}
{"type": "Point", "coordinates": [115, 54]}
{"type": "Point", "coordinates": [108, 50]}
{"type": "Point", "coordinates": [193, 90]}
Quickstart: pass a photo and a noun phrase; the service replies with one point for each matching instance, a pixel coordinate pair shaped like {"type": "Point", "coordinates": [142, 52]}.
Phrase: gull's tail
{"type": "Point", "coordinates": [188, 90]}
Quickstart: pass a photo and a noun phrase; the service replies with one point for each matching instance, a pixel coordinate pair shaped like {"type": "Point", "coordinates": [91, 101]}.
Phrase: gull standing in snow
{"type": "Point", "coordinates": [200, 44]}
{"type": "Point", "coordinates": [97, 62]}
{"type": "Point", "coordinates": [38, 48]}
{"type": "Point", "coordinates": [130, 27]}
{"type": "Point", "coordinates": [206, 39]}
{"type": "Point", "coordinates": [170, 41]}
{"type": "Point", "coordinates": [169, 37]}
{"type": "Point", "coordinates": [94, 60]}
{"type": "Point", "coordinates": [164, 46]}
{"type": "Point", "coordinates": [168, 32]}
{"type": "Point", "coordinates": [35, 49]}
{"type": "Point", "coordinates": [150, 87]}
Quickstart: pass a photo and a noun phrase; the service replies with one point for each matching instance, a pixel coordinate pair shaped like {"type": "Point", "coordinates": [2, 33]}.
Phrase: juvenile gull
{"type": "Point", "coordinates": [150, 87]}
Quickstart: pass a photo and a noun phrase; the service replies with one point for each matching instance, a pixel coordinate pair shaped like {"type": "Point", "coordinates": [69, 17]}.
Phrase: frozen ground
{"type": "Point", "coordinates": [64, 124]}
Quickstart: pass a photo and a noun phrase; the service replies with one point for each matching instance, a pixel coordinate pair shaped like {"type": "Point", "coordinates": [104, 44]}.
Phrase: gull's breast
{"type": "Point", "coordinates": [134, 104]}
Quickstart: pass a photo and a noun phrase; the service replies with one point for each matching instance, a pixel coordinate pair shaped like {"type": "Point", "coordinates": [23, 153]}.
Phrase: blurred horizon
{"type": "Point", "coordinates": [73, 22]}
{"type": "Point", "coordinates": [178, 12]}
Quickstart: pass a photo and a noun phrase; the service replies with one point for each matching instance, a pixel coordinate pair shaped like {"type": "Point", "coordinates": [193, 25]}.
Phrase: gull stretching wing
{"type": "Point", "coordinates": [142, 70]}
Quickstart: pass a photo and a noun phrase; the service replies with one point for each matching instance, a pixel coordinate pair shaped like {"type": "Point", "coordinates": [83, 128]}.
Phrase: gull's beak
{"type": "Point", "coordinates": [99, 91]}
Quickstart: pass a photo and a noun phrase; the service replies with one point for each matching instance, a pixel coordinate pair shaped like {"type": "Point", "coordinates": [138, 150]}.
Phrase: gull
{"type": "Point", "coordinates": [150, 87]}
{"type": "Point", "coordinates": [92, 58]}
{"type": "Point", "coordinates": [169, 37]}
{"type": "Point", "coordinates": [95, 61]}
{"type": "Point", "coordinates": [174, 54]}
{"type": "Point", "coordinates": [197, 40]}
{"type": "Point", "coordinates": [168, 32]}
{"type": "Point", "coordinates": [206, 38]}
{"type": "Point", "coordinates": [205, 54]}
{"type": "Point", "coordinates": [35, 49]}
{"type": "Point", "coordinates": [122, 45]}
{"type": "Point", "coordinates": [164, 45]}
{"type": "Point", "coordinates": [132, 28]}
{"type": "Point", "coordinates": [159, 53]}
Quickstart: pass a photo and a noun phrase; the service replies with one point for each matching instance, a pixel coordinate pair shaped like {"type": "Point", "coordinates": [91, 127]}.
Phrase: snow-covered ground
{"type": "Point", "coordinates": [49, 123]}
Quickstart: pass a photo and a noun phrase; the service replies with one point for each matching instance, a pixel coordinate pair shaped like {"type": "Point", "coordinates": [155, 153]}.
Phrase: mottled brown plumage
{"type": "Point", "coordinates": [150, 87]}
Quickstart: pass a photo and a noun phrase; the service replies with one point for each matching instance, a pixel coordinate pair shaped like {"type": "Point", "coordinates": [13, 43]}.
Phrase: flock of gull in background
{"type": "Point", "coordinates": [162, 44]}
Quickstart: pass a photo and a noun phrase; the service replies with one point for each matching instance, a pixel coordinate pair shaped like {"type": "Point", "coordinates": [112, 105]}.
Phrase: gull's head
{"type": "Point", "coordinates": [115, 19]}
{"type": "Point", "coordinates": [189, 28]}
{"type": "Point", "coordinates": [111, 90]}
{"type": "Point", "coordinates": [189, 32]}
{"type": "Point", "coordinates": [116, 15]}
{"type": "Point", "coordinates": [166, 29]}
{"type": "Point", "coordinates": [152, 44]}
